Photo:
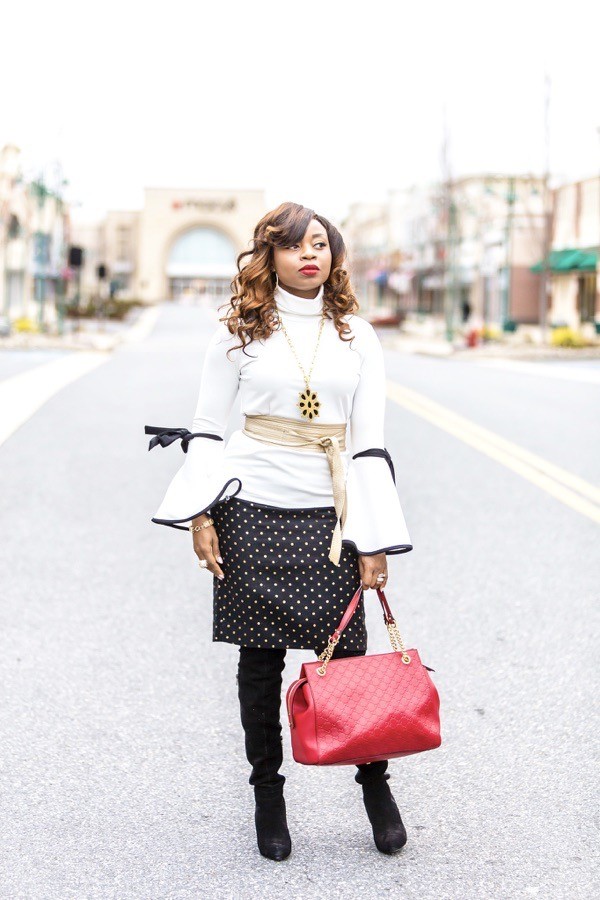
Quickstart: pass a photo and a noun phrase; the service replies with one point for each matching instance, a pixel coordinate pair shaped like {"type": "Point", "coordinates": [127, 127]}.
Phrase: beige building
{"type": "Point", "coordinates": [574, 258]}
{"type": "Point", "coordinates": [465, 252]}
{"type": "Point", "coordinates": [184, 241]}
{"type": "Point", "coordinates": [16, 287]}
{"type": "Point", "coordinates": [34, 230]}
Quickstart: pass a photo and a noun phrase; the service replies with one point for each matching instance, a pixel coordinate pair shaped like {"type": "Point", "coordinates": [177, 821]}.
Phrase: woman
{"type": "Point", "coordinates": [287, 523]}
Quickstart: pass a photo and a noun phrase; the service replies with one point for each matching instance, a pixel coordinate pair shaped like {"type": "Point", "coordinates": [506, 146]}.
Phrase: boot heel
{"type": "Point", "coordinates": [389, 832]}
{"type": "Point", "coordinates": [272, 832]}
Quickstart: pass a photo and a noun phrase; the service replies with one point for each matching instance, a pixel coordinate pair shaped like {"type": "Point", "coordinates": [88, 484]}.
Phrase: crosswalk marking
{"type": "Point", "coordinates": [22, 395]}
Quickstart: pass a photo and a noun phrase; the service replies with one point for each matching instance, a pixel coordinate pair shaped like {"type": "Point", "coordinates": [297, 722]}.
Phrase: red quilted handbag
{"type": "Point", "coordinates": [360, 709]}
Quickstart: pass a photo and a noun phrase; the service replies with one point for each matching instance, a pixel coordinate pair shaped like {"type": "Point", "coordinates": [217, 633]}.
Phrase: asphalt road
{"type": "Point", "coordinates": [122, 770]}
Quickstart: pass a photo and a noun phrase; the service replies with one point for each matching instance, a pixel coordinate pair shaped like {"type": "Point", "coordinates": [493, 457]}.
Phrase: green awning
{"type": "Point", "coordinates": [569, 261]}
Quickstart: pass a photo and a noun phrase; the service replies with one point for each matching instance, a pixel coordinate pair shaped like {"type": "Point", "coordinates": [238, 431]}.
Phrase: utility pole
{"type": "Point", "coordinates": [449, 263]}
{"type": "Point", "coordinates": [597, 298]}
{"type": "Point", "coordinates": [453, 241]}
{"type": "Point", "coordinates": [40, 191]}
{"type": "Point", "coordinates": [4, 228]}
{"type": "Point", "coordinates": [547, 221]}
{"type": "Point", "coordinates": [511, 197]}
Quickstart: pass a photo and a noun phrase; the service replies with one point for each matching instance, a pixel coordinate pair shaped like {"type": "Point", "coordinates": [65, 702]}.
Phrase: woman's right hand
{"type": "Point", "coordinates": [206, 545]}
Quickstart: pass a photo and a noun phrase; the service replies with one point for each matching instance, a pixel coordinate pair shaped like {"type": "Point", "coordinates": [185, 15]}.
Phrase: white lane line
{"type": "Point", "coordinates": [547, 370]}
{"type": "Point", "coordinates": [570, 489]}
{"type": "Point", "coordinates": [22, 395]}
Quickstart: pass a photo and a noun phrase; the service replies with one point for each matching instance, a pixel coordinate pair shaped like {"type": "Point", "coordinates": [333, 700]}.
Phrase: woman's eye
{"type": "Point", "coordinates": [318, 244]}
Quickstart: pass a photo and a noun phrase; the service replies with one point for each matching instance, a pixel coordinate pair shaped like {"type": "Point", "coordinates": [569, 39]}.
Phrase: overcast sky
{"type": "Point", "coordinates": [324, 103]}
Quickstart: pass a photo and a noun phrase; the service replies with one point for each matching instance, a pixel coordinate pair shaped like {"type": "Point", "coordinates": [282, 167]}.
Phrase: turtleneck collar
{"type": "Point", "coordinates": [299, 306]}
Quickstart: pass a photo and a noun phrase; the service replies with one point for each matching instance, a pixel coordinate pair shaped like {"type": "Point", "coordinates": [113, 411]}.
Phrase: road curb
{"type": "Point", "coordinates": [87, 342]}
{"type": "Point", "coordinates": [442, 349]}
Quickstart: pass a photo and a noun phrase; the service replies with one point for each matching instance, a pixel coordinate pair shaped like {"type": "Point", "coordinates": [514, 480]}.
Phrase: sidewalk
{"type": "Point", "coordinates": [440, 347]}
{"type": "Point", "coordinates": [94, 334]}
{"type": "Point", "coordinates": [105, 335]}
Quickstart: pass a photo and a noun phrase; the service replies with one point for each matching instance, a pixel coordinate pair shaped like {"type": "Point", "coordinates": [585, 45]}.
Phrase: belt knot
{"type": "Point", "coordinates": [303, 436]}
{"type": "Point", "coordinates": [326, 441]}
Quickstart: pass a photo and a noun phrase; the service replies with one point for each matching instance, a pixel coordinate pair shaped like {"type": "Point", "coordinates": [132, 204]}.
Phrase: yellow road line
{"type": "Point", "coordinates": [560, 483]}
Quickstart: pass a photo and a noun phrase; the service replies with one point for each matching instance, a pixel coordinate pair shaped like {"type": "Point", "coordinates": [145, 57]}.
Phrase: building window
{"type": "Point", "coordinates": [586, 296]}
{"type": "Point", "coordinates": [14, 227]}
{"type": "Point", "coordinates": [123, 243]}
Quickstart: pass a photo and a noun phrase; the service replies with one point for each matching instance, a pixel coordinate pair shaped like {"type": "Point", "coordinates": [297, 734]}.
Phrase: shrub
{"type": "Point", "coordinates": [25, 324]}
{"type": "Point", "coordinates": [84, 310]}
{"type": "Point", "coordinates": [119, 309]}
{"type": "Point", "coordinates": [93, 307]}
{"type": "Point", "coordinates": [564, 336]}
{"type": "Point", "coordinates": [490, 333]}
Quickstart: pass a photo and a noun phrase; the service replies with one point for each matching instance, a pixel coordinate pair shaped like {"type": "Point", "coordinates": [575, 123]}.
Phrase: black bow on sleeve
{"type": "Point", "coordinates": [379, 451]}
{"type": "Point", "coordinates": [166, 436]}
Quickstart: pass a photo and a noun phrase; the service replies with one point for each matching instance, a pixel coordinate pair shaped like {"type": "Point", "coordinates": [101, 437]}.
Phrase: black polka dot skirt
{"type": "Point", "coordinates": [280, 587]}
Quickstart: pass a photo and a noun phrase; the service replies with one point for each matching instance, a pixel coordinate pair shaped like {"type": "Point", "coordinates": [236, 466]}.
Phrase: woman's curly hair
{"type": "Point", "coordinates": [252, 312]}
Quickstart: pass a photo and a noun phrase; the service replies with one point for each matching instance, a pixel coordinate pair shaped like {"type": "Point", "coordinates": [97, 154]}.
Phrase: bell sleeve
{"type": "Point", "coordinates": [374, 519]}
{"type": "Point", "coordinates": [204, 479]}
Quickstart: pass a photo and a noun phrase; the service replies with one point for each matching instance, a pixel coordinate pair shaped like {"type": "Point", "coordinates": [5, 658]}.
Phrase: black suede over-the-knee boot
{"type": "Point", "coordinates": [259, 690]}
{"type": "Point", "coordinates": [389, 832]}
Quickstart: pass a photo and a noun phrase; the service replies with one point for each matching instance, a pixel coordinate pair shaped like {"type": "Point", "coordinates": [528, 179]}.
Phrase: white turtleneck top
{"type": "Point", "coordinates": [350, 382]}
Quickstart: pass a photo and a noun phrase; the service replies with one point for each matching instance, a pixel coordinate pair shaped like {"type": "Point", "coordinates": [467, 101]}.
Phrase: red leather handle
{"type": "Point", "coordinates": [351, 609]}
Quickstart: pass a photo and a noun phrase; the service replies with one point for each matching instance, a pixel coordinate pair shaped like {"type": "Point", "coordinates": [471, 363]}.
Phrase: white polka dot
{"type": "Point", "coordinates": [283, 598]}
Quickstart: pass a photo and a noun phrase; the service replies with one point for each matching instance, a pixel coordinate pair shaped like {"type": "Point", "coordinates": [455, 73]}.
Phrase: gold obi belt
{"type": "Point", "coordinates": [330, 439]}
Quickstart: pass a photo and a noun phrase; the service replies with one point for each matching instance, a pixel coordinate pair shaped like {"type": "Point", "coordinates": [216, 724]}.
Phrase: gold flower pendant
{"type": "Point", "coordinates": [309, 404]}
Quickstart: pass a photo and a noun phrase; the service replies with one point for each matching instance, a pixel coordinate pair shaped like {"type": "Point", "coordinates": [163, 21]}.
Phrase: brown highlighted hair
{"type": "Point", "coordinates": [252, 306]}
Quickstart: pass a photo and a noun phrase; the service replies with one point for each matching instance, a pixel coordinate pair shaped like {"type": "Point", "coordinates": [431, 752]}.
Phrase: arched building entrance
{"type": "Point", "coordinates": [201, 261]}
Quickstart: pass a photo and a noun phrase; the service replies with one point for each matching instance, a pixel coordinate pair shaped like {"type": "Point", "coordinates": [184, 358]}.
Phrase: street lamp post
{"type": "Point", "coordinates": [547, 226]}
{"type": "Point", "coordinates": [101, 274]}
{"type": "Point", "coordinates": [450, 289]}
{"type": "Point", "coordinates": [596, 309]}
{"type": "Point", "coordinates": [507, 280]}
{"type": "Point", "coordinates": [40, 192]}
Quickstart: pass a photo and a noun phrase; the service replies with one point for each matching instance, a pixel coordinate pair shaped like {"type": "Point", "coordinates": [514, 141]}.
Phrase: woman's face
{"type": "Point", "coordinates": [312, 254]}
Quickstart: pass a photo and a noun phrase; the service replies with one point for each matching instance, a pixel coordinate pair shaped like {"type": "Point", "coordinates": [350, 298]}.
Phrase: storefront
{"type": "Point", "coordinates": [573, 286]}
{"type": "Point", "coordinates": [189, 240]}
{"type": "Point", "coordinates": [201, 261]}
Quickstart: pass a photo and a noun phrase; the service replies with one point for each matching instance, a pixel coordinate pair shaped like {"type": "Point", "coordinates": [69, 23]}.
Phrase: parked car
{"type": "Point", "coordinates": [382, 319]}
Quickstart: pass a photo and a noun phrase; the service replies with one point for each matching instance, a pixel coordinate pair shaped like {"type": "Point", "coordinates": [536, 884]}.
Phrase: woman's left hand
{"type": "Point", "coordinates": [370, 567]}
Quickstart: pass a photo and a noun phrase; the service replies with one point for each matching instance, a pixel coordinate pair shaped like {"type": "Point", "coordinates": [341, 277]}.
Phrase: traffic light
{"type": "Point", "coordinates": [76, 257]}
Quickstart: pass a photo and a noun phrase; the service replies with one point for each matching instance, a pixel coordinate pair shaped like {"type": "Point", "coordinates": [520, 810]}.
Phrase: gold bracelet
{"type": "Point", "coordinates": [208, 522]}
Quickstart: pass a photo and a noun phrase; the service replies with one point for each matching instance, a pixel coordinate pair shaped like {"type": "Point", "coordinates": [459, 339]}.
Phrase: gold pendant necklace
{"type": "Point", "coordinates": [309, 402]}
